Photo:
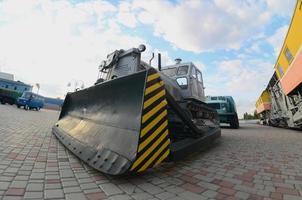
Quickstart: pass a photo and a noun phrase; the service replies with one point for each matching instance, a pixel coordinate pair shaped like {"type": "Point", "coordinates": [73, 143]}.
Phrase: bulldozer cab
{"type": "Point", "coordinates": [120, 63]}
{"type": "Point", "coordinates": [188, 78]}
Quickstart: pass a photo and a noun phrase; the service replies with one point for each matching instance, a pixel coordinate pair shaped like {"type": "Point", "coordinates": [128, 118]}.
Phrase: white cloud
{"type": "Point", "coordinates": [201, 66]}
{"type": "Point", "coordinates": [56, 41]}
{"type": "Point", "coordinates": [276, 40]}
{"type": "Point", "coordinates": [244, 80]}
{"type": "Point", "coordinates": [126, 16]}
{"type": "Point", "coordinates": [281, 7]}
{"type": "Point", "coordinates": [203, 25]}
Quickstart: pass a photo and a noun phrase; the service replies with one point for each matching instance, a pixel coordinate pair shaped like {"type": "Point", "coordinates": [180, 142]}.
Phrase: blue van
{"type": "Point", "coordinates": [30, 101]}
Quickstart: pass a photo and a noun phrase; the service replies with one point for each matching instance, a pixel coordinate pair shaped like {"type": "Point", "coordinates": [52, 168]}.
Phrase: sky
{"type": "Point", "coordinates": [235, 43]}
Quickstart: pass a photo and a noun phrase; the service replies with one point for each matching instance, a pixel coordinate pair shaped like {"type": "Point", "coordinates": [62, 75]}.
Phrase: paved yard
{"type": "Point", "coordinates": [253, 162]}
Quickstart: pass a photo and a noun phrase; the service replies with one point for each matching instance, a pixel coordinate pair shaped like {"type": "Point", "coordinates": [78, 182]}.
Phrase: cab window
{"type": "Point", "coordinates": [169, 72]}
{"type": "Point", "coordinates": [26, 95]}
{"type": "Point", "coordinates": [193, 72]}
{"type": "Point", "coordinates": [182, 70]}
{"type": "Point", "coordinates": [199, 76]}
{"type": "Point", "coordinates": [214, 105]}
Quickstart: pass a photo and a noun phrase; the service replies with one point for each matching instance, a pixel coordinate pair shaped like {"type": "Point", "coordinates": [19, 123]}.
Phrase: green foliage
{"type": "Point", "coordinates": [248, 116]}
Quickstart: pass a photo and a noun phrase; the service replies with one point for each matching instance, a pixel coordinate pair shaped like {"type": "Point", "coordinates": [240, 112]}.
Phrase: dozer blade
{"type": "Point", "coordinates": [118, 126]}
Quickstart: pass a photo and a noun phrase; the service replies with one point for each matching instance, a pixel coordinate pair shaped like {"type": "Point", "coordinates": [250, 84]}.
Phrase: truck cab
{"type": "Point", "coordinates": [226, 108]}
{"type": "Point", "coordinates": [188, 78]}
{"type": "Point", "coordinates": [30, 100]}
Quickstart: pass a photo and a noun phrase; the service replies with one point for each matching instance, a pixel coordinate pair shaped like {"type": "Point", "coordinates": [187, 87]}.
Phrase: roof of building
{"type": "Point", "coordinates": [15, 82]}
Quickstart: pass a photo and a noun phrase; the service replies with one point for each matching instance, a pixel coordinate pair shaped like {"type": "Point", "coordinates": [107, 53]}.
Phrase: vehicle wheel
{"type": "Point", "coordinates": [18, 106]}
{"type": "Point", "coordinates": [37, 108]}
{"type": "Point", "coordinates": [26, 107]}
{"type": "Point", "coordinates": [235, 122]}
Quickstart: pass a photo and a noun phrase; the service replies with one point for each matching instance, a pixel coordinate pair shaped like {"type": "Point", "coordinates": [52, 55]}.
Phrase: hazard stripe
{"type": "Point", "coordinates": [149, 150]}
{"type": "Point", "coordinates": [164, 156]}
{"type": "Point", "coordinates": [153, 87]}
{"type": "Point", "coordinates": [153, 123]}
{"type": "Point", "coordinates": [154, 110]}
{"type": "Point", "coordinates": [154, 98]}
{"type": "Point", "coordinates": [146, 165]}
{"type": "Point", "coordinates": [152, 77]}
{"type": "Point", "coordinates": [153, 147]}
{"type": "Point", "coordinates": [151, 137]}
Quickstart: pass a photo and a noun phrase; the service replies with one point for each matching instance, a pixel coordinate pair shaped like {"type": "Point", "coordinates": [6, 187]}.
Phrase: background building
{"type": "Point", "coordinates": [7, 82]}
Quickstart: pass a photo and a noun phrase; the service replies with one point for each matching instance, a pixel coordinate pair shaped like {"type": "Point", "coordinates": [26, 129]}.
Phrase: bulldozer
{"type": "Point", "coordinates": [136, 117]}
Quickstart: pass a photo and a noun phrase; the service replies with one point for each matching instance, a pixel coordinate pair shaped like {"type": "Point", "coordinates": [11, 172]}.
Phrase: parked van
{"type": "Point", "coordinates": [30, 100]}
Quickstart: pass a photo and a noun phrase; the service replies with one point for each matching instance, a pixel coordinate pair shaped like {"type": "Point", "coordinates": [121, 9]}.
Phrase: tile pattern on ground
{"type": "Point", "coordinates": [253, 162]}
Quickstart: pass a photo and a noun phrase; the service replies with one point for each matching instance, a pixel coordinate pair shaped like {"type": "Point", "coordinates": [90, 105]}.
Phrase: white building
{"type": "Point", "coordinates": [6, 76]}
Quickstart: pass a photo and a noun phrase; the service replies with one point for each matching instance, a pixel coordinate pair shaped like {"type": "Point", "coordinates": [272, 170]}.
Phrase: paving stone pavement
{"type": "Point", "coordinates": [253, 162]}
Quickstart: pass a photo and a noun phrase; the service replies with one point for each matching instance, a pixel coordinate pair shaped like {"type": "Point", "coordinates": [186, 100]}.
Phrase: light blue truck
{"type": "Point", "coordinates": [226, 108]}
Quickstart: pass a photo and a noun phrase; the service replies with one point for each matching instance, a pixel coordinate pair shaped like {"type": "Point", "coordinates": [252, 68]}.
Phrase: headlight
{"type": "Point", "coordinates": [182, 82]}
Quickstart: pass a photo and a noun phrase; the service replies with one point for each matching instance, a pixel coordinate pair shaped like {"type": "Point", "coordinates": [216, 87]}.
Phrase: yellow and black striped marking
{"type": "Point", "coordinates": [154, 141]}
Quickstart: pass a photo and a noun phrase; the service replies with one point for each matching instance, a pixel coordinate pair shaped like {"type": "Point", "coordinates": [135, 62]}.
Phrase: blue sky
{"type": "Point", "coordinates": [234, 42]}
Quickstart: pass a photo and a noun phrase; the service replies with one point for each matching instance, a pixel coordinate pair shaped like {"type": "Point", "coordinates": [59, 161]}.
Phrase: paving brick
{"type": "Point", "coordinates": [19, 184]}
{"type": "Point", "coordinates": [209, 186]}
{"type": "Point", "coordinates": [120, 197]}
{"type": "Point", "coordinates": [227, 191]}
{"type": "Point", "coordinates": [15, 192]}
{"type": "Point", "coordinates": [152, 189]}
{"type": "Point", "coordinates": [276, 195]}
{"type": "Point", "coordinates": [289, 191]}
{"type": "Point", "coordinates": [209, 193]}
{"type": "Point", "coordinates": [33, 195]}
{"type": "Point", "coordinates": [53, 186]}
{"type": "Point", "coordinates": [37, 176]}
{"type": "Point", "coordinates": [75, 196]}
{"type": "Point", "coordinates": [96, 196]}
{"type": "Point", "coordinates": [191, 196]}
{"type": "Point", "coordinates": [110, 189]}
{"type": "Point", "coordinates": [34, 187]}
{"type": "Point", "coordinates": [4, 185]}
{"type": "Point", "coordinates": [51, 194]}
{"type": "Point", "coordinates": [12, 198]}
{"type": "Point", "coordinates": [242, 195]}
{"type": "Point", "coordinates": [291, 197]}
{"type": "Point", "coordinates": [70, 183]}
{"type": "Point", "coordinates": [72, 189]}
{"type": "Point", "coordinates": [127, 187]}
{"type": "Point", "coordinates": [88, 186]}
{"type": "Point", "coordinates": [165, 195]}
{"type": "Point", "coordinates": [141, 196]}
{"type": "Point", "coordinates": [193, 188]}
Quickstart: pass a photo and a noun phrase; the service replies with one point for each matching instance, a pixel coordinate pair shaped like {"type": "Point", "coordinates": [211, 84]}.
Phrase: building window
{"type": "Point", "coordinates": [25, 89]}
{"type": "Point", "coordinates": [280, 70]}
{"type": "Point", "coordinates": [6, 86]}
{"type": "Point", "coordinates": [288, 55]}
{"type": "Point", "coordinates": [15, 88]}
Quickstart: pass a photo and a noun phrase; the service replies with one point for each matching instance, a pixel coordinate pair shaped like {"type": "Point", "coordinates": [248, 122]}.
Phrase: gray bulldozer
{"type": "Point", "coordinates": [136, 117]}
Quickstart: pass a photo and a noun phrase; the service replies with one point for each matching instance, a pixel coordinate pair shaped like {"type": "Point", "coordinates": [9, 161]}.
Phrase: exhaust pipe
{"type": "Point", "coordinates": [151, 59]}
{"type": "Point", "coordinates": [159, 62]}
